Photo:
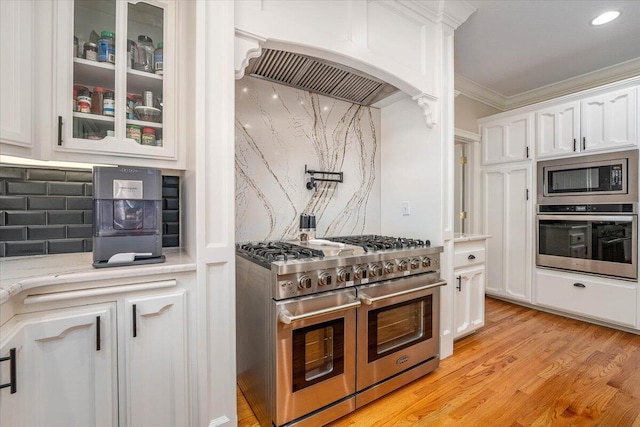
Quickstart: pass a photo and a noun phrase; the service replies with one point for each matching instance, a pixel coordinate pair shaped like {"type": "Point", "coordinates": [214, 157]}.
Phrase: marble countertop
{"type": "Point", "coordinates": [21, 273]}
{"type": "Point", "coordinates": [459, 237]}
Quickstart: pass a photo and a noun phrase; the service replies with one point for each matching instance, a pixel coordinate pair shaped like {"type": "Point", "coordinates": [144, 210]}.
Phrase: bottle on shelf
{"type": "Point", "coordinates": [145, 54]}
{"type": "Point", "coordinates": [106, 47]}
{"type": "Point", "coordinates": [158, 59]}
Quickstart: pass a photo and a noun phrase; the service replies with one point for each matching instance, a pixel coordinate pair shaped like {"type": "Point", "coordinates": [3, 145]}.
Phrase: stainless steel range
{"type": "Point", "coordinates": [327, 326]}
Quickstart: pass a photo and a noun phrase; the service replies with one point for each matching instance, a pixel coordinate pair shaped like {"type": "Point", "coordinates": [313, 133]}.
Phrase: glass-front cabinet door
{"type": "Point", "coordinates": [116, 78]}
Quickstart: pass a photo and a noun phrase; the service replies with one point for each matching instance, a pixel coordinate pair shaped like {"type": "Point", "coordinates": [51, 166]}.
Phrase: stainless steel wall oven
{"type": "Point", "coordinates": [323, 330]}
{"type": "Point", "coordinates": [588, 214]}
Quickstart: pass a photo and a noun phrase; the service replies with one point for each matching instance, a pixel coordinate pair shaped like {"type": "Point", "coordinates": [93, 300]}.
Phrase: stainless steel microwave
{"type": "Point", "coordinates": [599, 178]}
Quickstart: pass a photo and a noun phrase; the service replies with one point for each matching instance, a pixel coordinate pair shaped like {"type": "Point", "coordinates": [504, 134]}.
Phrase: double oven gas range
{"type": "Point", "coordinates": [325, 329]}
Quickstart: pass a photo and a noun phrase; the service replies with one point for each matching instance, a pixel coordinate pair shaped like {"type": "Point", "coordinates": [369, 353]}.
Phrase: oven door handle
{"type": "Point", "coordinates": [287, 318]}
{"type": "Point", "coordinates": [368, 300]}
{"type": "Point", "coordinates": [588, 217]}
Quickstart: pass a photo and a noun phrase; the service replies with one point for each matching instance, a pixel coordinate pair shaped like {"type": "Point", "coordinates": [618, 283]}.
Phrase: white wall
{"type": "Point", "coordinates": [468, 111]}
{"type": "Point", "coordinates": [411, 171]}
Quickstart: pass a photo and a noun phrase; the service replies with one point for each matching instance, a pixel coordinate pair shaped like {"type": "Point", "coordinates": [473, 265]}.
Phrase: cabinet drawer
{"type": "Point", "coordinates": [468, 253]}
{"type": "Point", "coordinates": [598, 300]}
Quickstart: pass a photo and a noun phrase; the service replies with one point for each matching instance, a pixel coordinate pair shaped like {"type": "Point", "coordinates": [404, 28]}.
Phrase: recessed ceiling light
{"type": "Point", "coordinates": [605, 17]}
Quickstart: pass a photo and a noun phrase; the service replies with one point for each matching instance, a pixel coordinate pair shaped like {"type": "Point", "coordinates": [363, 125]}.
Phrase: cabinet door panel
{"type": "Point", "coordinates": [494, 183]}
{"type": "Point", "coordinates": [517, 238]}
{"type": "Point", "coordinates": [68, 381]}
{"type": "Point", "coordinates": [469, 297]}
{"type": "Point", "coordinates": [610, 120]}
{"type": "Point", "coordinates": [507, 219]}
{"type": "Point", "coordinates": [558, 130]}
{"type": "Point", "coordinates": [156, 361]}
{"type": "Point", "coordinates": [507, 140]}
{"type": "Point", "coordinates": [13, 406]}
{"type": "Point", "coordinates": [16, 66]}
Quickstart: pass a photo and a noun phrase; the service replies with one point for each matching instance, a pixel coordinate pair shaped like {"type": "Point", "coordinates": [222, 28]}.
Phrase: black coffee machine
{"type": "Point", "coordinates": [127, 216]}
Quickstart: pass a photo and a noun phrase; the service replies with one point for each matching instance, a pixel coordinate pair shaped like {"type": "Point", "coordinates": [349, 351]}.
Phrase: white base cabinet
{"type": "Point", "coordinates": [593, 297]}
{"type": "Point", "coordinates": [122, 362]}
{"type": "Point", "coordinates": [66, 368]}
{"type": "Point", "coordinates": [156, 360]}
{"type": "Point", "coordinates": [469, 272]}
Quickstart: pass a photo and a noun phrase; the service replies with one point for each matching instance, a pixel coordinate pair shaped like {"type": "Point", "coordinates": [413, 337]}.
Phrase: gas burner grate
{"type": "Point", "coordinates": [374, 242]}
{"type": "Point", "coordinates": [276, 251]}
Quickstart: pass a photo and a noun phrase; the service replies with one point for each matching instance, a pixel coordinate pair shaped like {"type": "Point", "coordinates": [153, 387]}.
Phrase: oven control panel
{"type": "Point", "coordinates": [311, 282]}
{"type": "Point", "coordinates": [328, 279]}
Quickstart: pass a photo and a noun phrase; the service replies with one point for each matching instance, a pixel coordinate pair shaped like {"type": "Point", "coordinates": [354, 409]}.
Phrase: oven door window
{"type": "Point", "coordinates": [318, 353]}
{"type": "Point", "coordinates": [608, 240]}
{"type": "Point", "coordinates": [399, 326]}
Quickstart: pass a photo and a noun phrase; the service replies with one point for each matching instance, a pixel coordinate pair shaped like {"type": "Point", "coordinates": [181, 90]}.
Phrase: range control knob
{"type": "Point", "coordinates": [389, 267]}
{"type": "Point", "coordinates": [426, 262]}
{"type": "Point", "coordinates": [375, 270]}
{"type": "Point", "coordinates": [324, 279]}
{"type": "Point", "coordinates": [344, 275]}
{"type": "Point", "coordinates": [403, 265]}
{"type": "Point", "coordinates": [415, 263]}
{"type": "Point", "coordinates": [304, 282]}
{"type": "Point", "coordinates": [360, 273]}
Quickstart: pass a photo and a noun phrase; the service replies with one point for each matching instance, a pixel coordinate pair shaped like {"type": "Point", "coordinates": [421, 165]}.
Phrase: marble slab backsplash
{"type": "Point", "coordinates": [279, 130]}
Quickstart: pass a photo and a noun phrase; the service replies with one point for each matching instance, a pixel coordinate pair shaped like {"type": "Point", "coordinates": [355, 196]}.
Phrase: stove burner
{"type": "Point", "coordinates": [373, 242]}
{"type": "Point", "coordinates": [277, 251]}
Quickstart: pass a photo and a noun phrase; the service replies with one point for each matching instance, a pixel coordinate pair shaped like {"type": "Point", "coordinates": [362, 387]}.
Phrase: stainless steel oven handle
{"type": "Point", "coordinates": [367, 300]}
{"type": "Point", "coordinates": [586, 217]}
{"type": "Point", "coordinates": [287, 318]}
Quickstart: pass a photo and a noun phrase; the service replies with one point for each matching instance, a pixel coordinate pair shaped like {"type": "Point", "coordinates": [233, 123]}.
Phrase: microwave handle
{"type": "Point", "coordinates": [287, 318]}
{"type": "Point", "coordinates": [368, 300]}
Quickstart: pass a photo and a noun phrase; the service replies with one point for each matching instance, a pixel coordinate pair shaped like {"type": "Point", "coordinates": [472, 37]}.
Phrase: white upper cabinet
{"type": "Point", "coordinates": [16, 69]}
{"type": "Point", "coordinates": [610, 120]}
{"type": "Point", "coordinates": [558, 130]}
{"type": "Point", "coordinates": [600, 122]}
{"type": "Point", "coordinates": [507, 140]}
{"type": "Point", "coordinates": [115, 84]}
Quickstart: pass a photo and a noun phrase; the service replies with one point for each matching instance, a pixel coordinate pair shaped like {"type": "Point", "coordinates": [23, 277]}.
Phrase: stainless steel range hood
{"type": "Point", "coordinates": [319, 76]}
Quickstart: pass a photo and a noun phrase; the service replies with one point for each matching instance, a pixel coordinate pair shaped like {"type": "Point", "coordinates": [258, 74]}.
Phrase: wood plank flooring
{"type": "Point", "coordinates": [524, 368]}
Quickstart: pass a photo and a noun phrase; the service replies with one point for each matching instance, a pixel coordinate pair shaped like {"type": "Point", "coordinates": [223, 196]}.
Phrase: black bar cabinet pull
{"type": "Point", "coordinates": [135, 322]}
{"type": "Point", "coordinates": [579, 285]}
{"type": "Point", "coordinates": [459, 287]}
{"type": "Point", "coordinates": [584, 142]}
{"type": "Point", "coordinates": [527, 195]}
{"type": "Point", "coordinates": [472, 256]}
{"type": "Point", "coordinates": [59, 130]}
{"type": "Point", "coordinates": [97, 333]}
{"type": "Point", "coordinates": [12, 371]}
{"type": "Point", "coordinates": [527, 152]}
{"type": "Point", "coordinates": [574, 144]}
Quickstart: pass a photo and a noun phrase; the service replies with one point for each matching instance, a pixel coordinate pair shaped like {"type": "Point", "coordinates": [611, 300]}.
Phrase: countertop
{"type": "Point", "coordinates": [460, 237]}
{"type": "Point", "coordinates": [22, 273]}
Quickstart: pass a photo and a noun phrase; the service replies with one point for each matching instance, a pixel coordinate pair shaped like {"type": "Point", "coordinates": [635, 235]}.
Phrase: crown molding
{"type": "Point", "coordinates": [480, 93]}
{"type": "Point", "coordinates": [601, 77]}
{"type": "Point", "coordinates": [452, 13]}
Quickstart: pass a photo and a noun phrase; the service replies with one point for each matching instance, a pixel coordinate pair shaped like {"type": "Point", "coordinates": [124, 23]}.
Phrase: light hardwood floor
{"type": "Point", "coordinates": [524, 368]}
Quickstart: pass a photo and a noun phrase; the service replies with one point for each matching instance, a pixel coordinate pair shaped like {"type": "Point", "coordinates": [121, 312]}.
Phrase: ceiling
{"type": "Point", "coordinates": [511, 53]}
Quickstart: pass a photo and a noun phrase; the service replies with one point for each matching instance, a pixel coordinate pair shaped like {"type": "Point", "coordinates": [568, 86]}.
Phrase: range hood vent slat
{"type": "Point", "coordinates": [319, 76]}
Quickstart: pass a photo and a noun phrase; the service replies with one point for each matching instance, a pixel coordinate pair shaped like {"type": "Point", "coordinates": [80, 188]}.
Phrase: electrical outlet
{"type": "Point", "coordinates": [406, 208]}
